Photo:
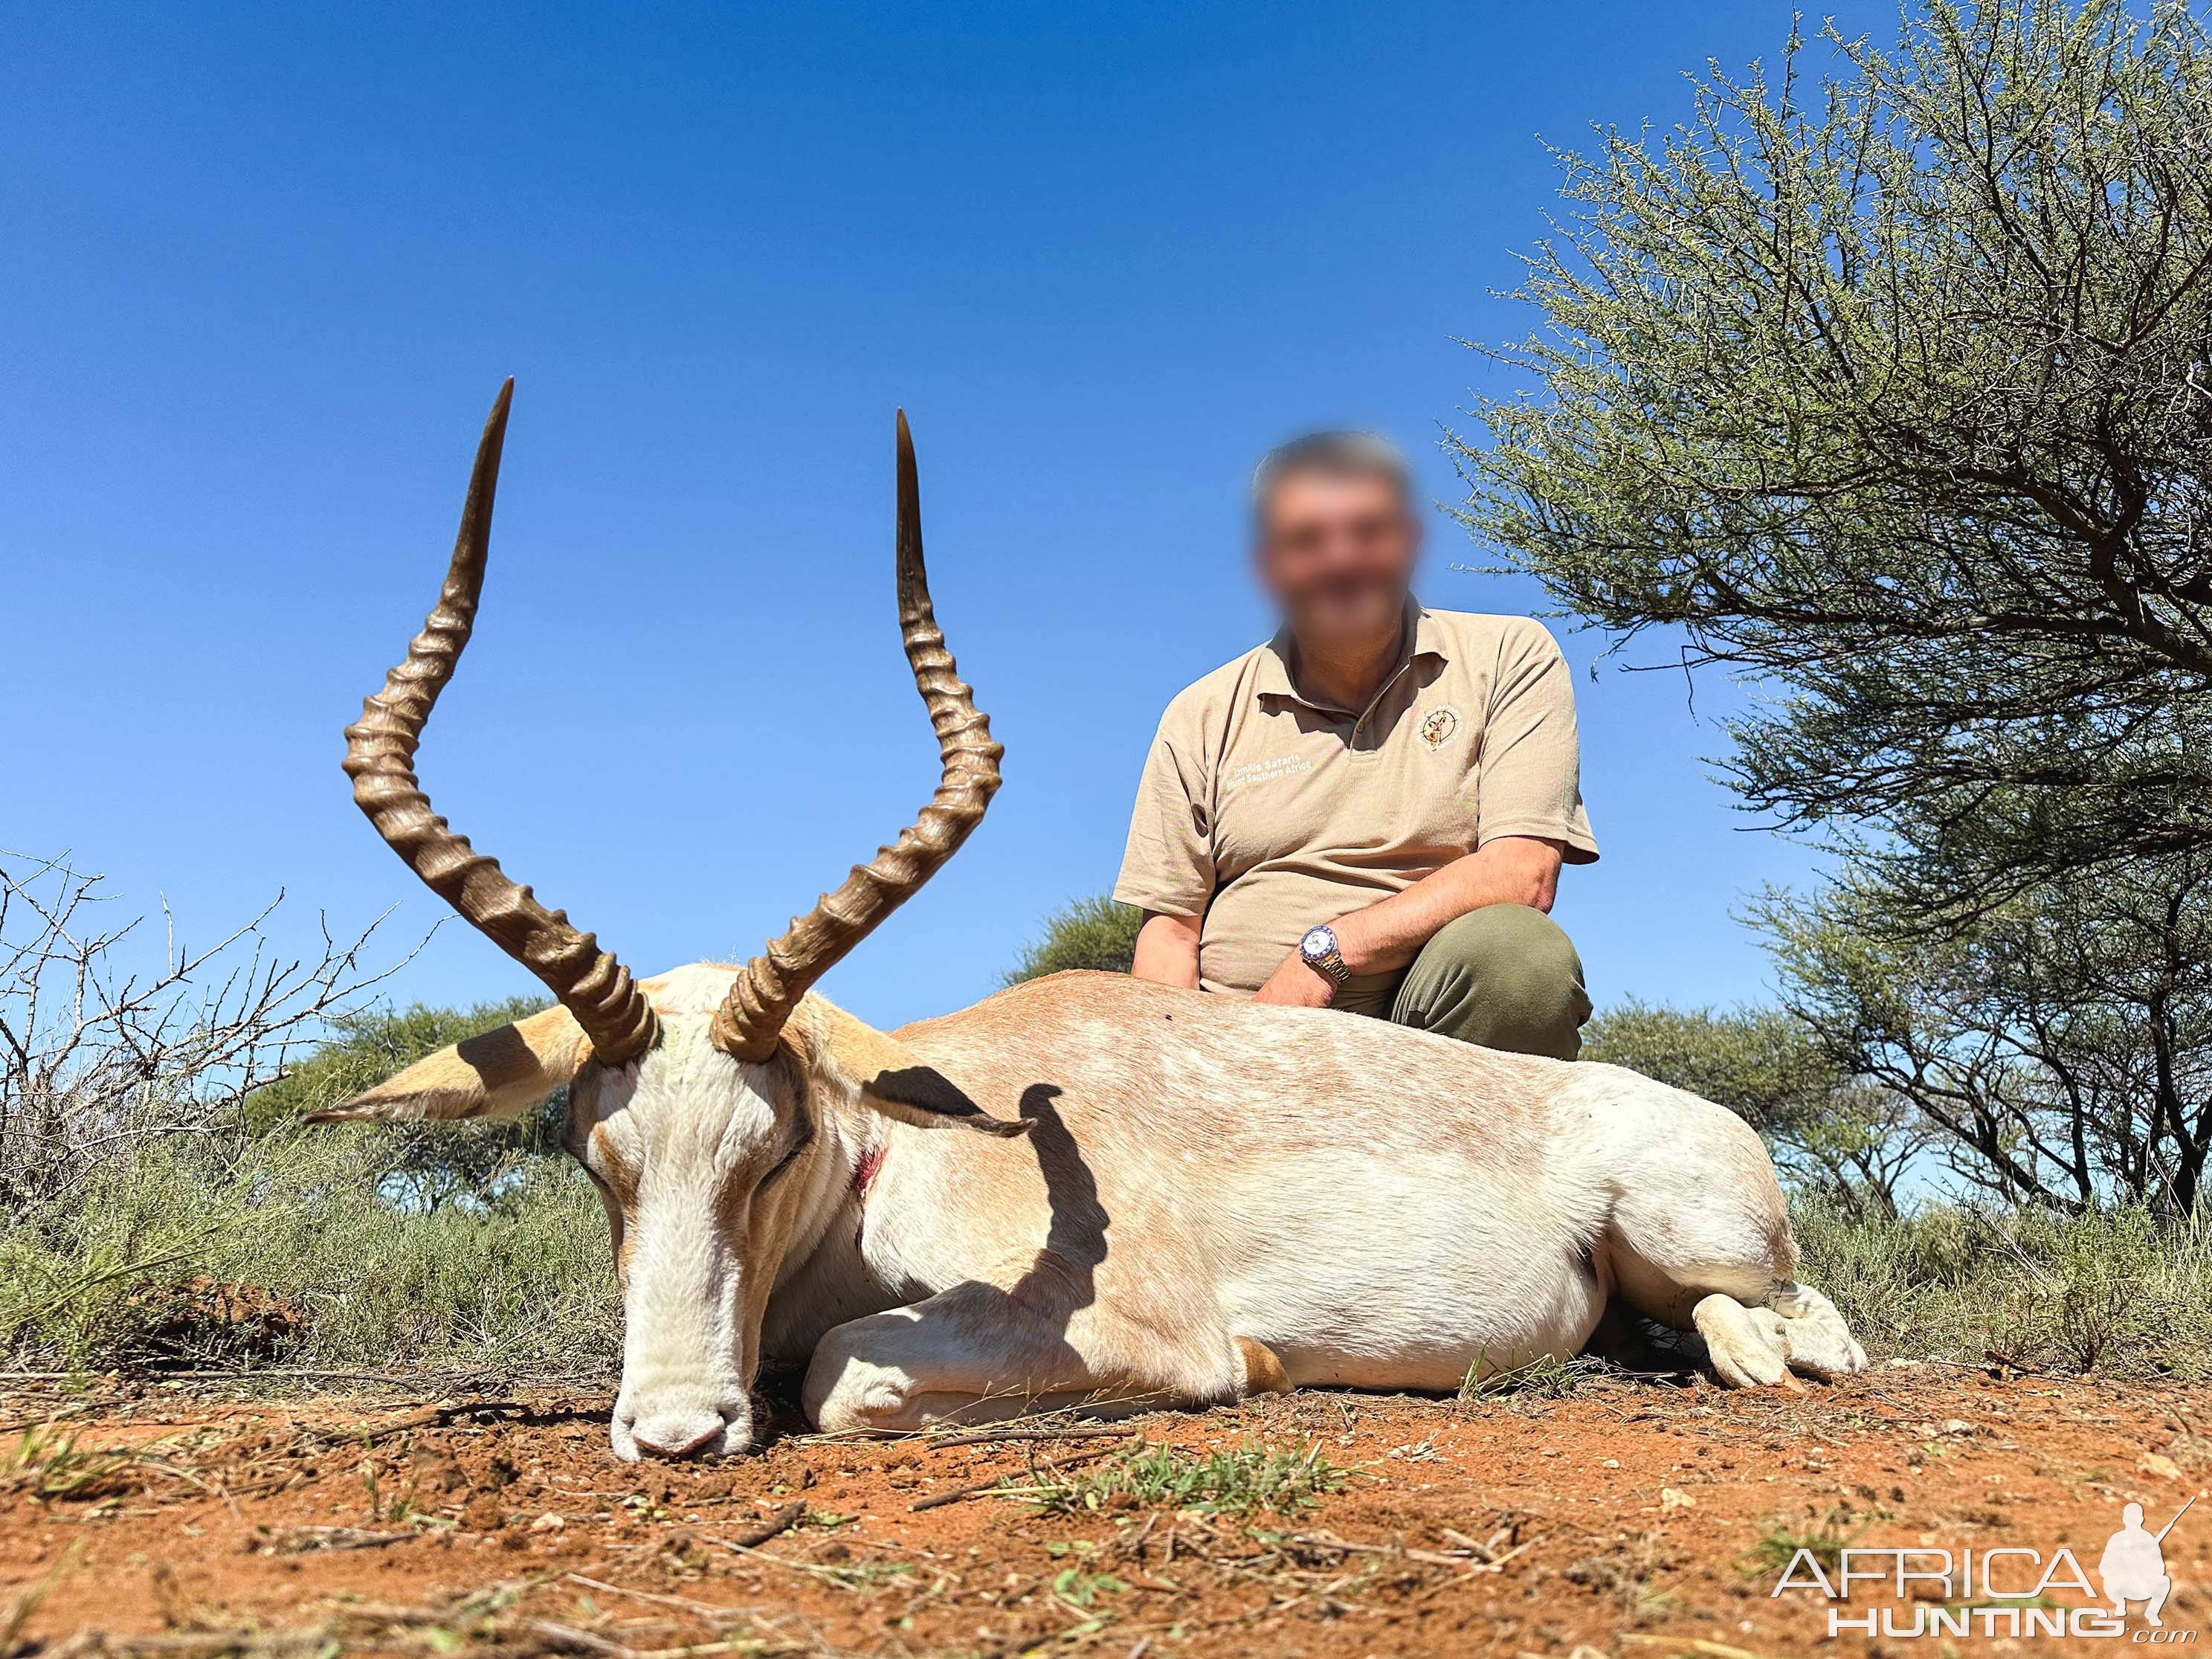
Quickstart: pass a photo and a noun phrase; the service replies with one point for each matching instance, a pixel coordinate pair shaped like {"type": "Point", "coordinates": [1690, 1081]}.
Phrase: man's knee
{"type": "Point", "coordinates": [1504, 976]}
{"type": "Point", "coordinates": [1507, 947]}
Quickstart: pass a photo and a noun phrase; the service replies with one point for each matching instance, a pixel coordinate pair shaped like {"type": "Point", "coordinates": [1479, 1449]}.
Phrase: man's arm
{"type": "Point", "coordinates": [1529, 819]}
{"type": "Point", "coordinates": [1167, 951]}
{"type": "Point", "coordinates": [1167, 869]}
{"type": "Point", "coordinates": [1388, 934]}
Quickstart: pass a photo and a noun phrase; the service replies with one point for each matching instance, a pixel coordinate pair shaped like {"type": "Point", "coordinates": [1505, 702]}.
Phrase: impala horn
{"type": "Point", "coordinates": [767, 988]}
{"type": "Point", "coordinates": [380, 760]}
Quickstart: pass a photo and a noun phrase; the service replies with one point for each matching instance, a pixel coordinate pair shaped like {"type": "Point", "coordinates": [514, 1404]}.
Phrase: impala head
{"type": "Point", "coordinates": [697, 1100]}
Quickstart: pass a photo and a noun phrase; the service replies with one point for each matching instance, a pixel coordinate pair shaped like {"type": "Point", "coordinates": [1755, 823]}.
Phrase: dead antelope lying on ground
{"type": "Point", "coordinates": [1086, 1190]}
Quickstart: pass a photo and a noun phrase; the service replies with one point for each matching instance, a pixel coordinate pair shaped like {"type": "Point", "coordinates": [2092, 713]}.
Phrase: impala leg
{"type": "Point", "coordinates": [1698, 1238]}
{"type": "Point", "coordinates": [1818, 1343]}
{"type": "Point", "coordinates": [1745, 1344]}
{"type": "Point", "coordinates": [1798, 1330]}
{"type": "Point", "coordinates": [981, 1353]}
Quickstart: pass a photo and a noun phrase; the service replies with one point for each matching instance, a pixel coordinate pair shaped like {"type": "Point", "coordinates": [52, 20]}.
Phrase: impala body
{"type": "Point", "coordinates": [1087, 1190]}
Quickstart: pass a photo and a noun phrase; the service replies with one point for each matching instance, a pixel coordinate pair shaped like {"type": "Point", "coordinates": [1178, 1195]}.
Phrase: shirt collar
{"type": "Point", "coordinates": [1425, 639]}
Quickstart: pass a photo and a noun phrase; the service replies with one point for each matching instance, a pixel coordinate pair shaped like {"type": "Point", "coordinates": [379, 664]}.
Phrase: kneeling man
{"type": "Point", "coordinates": [1368, 813]}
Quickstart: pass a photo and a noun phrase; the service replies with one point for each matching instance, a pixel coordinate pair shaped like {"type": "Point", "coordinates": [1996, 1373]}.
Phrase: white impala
{"type": "Point", "coordinates": [1084, 1190]}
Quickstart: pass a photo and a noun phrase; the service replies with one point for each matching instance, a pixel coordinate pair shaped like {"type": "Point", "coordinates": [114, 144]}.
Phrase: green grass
{"type": "Point", "coordinates": [2121, 1294]}
{"type": "Point", "coordinates": [521, 1286]}
{"type": "Point", "coordinates": [1234, 1481]}
{"type": "Point", "coordinates": [1824, 1540]}
{"type": "Point", "coordinates": [44, 1465]}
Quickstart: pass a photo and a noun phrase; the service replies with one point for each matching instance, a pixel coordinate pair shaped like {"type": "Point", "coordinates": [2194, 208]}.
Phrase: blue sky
{"type": "Point", "coordinates": [266, 267]}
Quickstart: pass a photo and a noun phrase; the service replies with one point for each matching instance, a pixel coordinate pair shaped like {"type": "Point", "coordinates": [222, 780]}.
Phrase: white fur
{"type": "Point", "coordinates": [1373, 1207]}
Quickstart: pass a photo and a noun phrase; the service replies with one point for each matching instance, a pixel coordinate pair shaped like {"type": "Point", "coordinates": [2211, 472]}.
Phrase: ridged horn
{"type": "Point", "coordinates": [380, 760]}
{"type": "Point", "coordinates": [767, 988]}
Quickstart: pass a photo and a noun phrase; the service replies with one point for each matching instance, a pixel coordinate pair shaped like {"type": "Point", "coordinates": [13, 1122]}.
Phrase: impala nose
{"type": "Point", "coordinates": [678, 1434]}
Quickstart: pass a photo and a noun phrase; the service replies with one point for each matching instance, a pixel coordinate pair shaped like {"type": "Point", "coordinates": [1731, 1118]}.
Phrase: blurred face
{"type": "Point", "coordinates": [1336, 551]}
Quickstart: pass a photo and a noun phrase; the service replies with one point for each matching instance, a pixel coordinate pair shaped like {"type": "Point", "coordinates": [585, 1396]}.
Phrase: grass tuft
{"type": "Point", "coordinates": [1234, 1481]}
{"type": "Point", "coordinates": [1544, 1377]}
{"type": "Point", "coordinates": [1824, 1540]}
{"type": "Point", "coordinates": [49, 1468]}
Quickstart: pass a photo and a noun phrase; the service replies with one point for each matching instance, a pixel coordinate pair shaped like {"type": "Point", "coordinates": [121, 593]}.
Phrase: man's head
{"type": "Point", "coordinates": [1334, 534]}
{"type": "Point", "coordinates": [2131, 1517]}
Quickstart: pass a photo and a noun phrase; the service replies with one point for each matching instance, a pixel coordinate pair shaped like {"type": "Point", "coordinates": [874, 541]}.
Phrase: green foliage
{"type": "Point", "coordinates": [1829, 1131]}
{"type": "Point", "coordinates": [1085, 933]}
{"type": "Point", "coordinates": [2118, 1292]}
{"type": "Point", "coordinates": [365, 1047]}
{"type": "Point", "coordinates": [521, 1284]}
{"type": "Point", "coordinates": [1760, 1063]}
{"type": "Point", "coordinates": [429, 1165]}
{"type": "Point", "coordinates": [1889, 390]}
{"type": "Point", "coordinates": [1887, 393]}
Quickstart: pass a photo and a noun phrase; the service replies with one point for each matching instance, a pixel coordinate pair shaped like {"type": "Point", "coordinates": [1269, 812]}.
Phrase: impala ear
{"type": "Point", "coordinates": [497, 1074]}
{"type": "Point", "coordinates": [890, 1078]}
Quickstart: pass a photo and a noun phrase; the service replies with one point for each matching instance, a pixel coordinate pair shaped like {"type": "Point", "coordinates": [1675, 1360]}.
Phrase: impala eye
{"type": "Point", "coordinates": [802, 1138]}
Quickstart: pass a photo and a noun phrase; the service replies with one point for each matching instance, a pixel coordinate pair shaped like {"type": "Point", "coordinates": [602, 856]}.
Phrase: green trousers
{"type": "Point", "coordinates": [1504, 976]}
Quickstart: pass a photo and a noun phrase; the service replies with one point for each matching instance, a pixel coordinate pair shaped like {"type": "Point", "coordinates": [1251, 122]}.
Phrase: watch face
{"type": "Point", "coordinates": [1318, 942]}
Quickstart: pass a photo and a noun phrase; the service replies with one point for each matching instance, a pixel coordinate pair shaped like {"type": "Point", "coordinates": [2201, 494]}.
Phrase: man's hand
{"type": "Point", "coordinates": [1297, 984]}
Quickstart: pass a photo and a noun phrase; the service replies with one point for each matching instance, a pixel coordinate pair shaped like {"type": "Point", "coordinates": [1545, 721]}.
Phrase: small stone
{"type": "Point", "coordinates": [548, 1521]}
{"type": "Point", "coordinates": [1671, 1499]}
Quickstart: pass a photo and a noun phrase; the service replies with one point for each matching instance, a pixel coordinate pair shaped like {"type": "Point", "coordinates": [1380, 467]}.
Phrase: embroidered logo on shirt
{"type": "Point", "coordinates": [1282, 766]}
{"type": "Point", "coordinates": [1439, 726]}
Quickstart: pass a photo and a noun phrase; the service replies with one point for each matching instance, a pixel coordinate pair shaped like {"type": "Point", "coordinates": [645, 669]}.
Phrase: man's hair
{"type": "Point", "coordinates": [1339, 451]}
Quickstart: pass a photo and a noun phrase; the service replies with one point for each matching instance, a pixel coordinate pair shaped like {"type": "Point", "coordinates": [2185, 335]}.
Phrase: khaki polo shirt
{"type": "Point", "coordinates": [1265, 812]}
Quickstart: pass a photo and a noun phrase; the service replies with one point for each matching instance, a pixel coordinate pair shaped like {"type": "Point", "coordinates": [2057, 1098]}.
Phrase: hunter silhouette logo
{"type": "Point", "coordinates": [2133, 1565]}
{"type": "Point", "coordinates": [2000, 1592]}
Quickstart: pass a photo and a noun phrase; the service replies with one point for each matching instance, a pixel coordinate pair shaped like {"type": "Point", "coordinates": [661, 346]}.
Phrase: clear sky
{"type": "Point", "coordinates": [265, 267]}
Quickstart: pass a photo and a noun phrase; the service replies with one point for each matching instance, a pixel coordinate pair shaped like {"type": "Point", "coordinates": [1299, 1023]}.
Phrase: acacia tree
{"type": "Point", "coordinates": [1897, 394]}
{"type": "Point", "coordinates": [1894, 395]}
{"type": "Point", "coordinates": [2062, 1044]}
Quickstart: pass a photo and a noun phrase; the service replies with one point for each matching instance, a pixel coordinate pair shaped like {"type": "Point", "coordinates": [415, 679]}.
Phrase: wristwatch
{"type": "Point", "coordinates": [1319, 949]}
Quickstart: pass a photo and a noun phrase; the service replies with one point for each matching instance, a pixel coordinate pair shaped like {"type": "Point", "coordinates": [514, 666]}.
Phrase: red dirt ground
{"type": "Point", "coordinates": [1628, 1519]}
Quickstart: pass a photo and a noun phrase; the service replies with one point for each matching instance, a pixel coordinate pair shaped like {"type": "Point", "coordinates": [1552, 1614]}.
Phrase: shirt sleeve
{"type": "Point", "coordinates": [1168, 865]}
{"type": "Point", "coordinates": [1531, 781]}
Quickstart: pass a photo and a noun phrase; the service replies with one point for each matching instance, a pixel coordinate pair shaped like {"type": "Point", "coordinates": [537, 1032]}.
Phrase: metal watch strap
{"type": "Point", "coordinates": [1332, 966]}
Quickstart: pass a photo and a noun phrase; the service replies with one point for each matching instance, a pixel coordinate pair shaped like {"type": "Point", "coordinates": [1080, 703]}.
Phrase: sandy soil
{"type": "Point", "coordinates": [1628, 1519]}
